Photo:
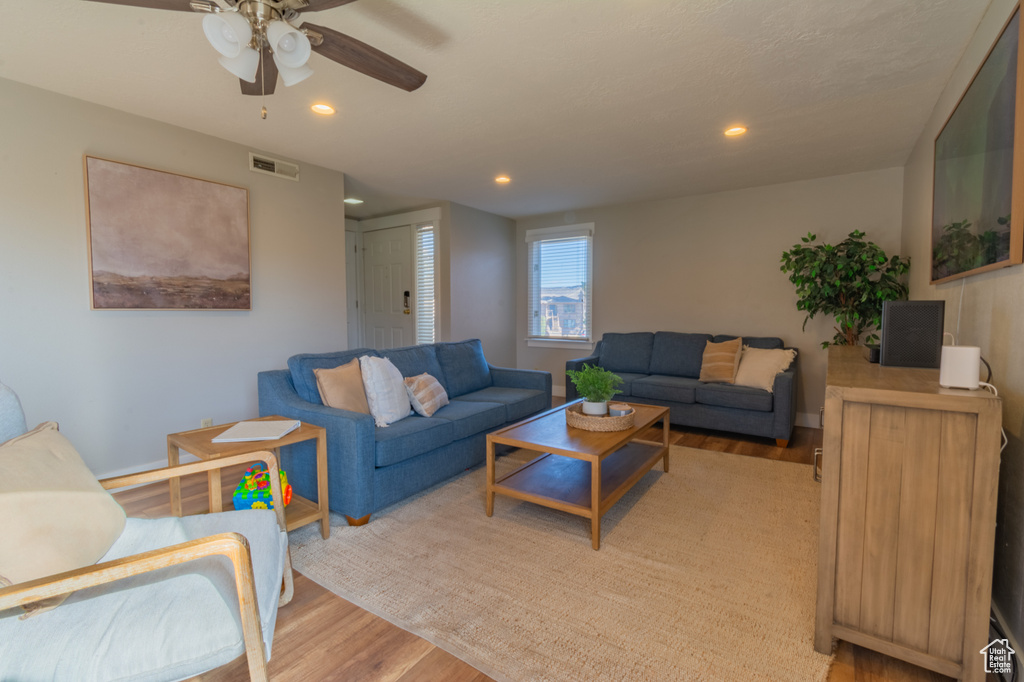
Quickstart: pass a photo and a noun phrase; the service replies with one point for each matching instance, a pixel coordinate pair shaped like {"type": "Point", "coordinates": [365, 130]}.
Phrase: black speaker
{"type": "Point", "coordinates": [912, 333]}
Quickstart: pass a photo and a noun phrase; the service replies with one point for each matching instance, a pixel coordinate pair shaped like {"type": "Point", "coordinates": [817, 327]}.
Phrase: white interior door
{"type": "Point", "coordinates": [387, 287]}
{"type": "Point", "coordinates": [353, 266]}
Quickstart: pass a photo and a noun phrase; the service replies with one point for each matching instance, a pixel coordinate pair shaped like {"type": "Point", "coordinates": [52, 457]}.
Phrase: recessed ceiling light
{"type": "Point", "coordinates": [323, 109]}
{"type": "Point", "coordinates": [735, 131]}
{"type": "Point", "coordinates": [503, 179]}
{"type": "Point", "coordinates": [353, 200]}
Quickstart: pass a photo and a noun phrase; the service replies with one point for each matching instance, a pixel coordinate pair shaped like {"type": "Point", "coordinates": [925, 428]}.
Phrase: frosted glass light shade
{"type": "Point", "coordinates": [290, 75]}
{"type": "Point", "coordinates": [244, 65]}
{"type": "Point", "coordinates": [290, 45]}
{"type": "Point", "coordinates": [228, 32]}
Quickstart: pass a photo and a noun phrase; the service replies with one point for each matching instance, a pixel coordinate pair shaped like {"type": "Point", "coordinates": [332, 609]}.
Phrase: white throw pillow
{"type": "Point", "coordinates": [758, 366]}
{"type": "Point", "coordinates": [426, 394]}
{"type": "Point", "coordinates": [385, 390]}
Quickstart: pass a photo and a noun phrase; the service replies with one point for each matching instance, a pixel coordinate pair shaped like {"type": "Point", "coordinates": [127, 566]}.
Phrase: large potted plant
{"type": "Point", "coordinates": [596, 385]}
{"type": "Point", "coordinates": [849, 281]}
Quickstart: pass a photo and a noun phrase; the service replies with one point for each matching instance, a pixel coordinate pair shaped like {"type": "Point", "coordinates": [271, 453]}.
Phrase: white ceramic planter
{"type": "Point", "coordinates": [596, 409]}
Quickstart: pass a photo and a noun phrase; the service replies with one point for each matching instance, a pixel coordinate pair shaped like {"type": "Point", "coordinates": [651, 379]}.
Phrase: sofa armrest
{"type": "Point", "coordinates": [507, 377]}
{"type": "Point", "coordinates": [351, 444]}
{"type": "Point", "coordinates": [576, 365]}
{"type": "Point", "coordinates": [784, 392]}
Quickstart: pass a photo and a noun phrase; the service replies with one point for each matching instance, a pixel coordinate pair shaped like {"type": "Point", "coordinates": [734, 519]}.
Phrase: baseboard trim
{"type": "Point", "coordinates": [558, 391]}
{"type": "Point", "coordinates": [184, 458]}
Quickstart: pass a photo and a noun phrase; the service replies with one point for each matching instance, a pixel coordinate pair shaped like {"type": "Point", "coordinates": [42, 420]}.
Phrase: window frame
{"type": "Point", "coordinates": [533, 304]}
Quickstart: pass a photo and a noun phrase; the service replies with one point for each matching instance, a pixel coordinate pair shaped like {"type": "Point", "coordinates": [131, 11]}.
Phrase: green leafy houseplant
{"type": "Point", "coordinates": [849, 281]}
{"type": "Point", "coordinates": [595, 384]}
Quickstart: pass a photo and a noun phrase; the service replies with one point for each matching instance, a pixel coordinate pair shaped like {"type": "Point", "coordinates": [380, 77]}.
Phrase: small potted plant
{"type": "Point", "coordinates": [596, 385]}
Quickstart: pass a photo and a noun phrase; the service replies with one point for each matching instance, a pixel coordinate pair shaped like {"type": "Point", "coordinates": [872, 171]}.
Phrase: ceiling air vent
{"type": "Point", "coordinates": [282, 169]}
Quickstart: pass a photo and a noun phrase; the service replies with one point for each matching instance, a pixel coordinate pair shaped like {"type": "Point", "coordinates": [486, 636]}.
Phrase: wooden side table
{"type": "Point", "coordinates": [199, 442]}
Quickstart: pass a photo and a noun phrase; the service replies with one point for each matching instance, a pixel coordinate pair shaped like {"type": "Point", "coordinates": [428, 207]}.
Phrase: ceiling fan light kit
{"type": "Point", "coordinates": [291, 75]}
{"type": "Point", "coordinates": [229, 33]}
{"type": "Point", "coordinates": [258, 42]}
{"type": "Point", "coordinates": [291, 46]}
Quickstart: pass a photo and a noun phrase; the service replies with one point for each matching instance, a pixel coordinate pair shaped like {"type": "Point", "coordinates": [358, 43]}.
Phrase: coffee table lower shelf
{"type": "Point", "coordinates": [565, 483]}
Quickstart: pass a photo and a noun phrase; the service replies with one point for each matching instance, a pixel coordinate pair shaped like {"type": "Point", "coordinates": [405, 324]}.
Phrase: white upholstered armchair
{"type": "Point", "coordinates": [169, 598]}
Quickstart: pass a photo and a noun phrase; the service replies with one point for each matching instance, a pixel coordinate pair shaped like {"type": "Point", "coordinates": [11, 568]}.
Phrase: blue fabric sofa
{"type": "Point", "coordinates": [371, 467]}
{"type": "Point", "coordinates": [663, 368]}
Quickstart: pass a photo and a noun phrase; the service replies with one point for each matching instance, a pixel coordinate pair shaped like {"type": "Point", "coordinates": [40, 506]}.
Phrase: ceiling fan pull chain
{"type": "Point", "coordinates": [263, 84]}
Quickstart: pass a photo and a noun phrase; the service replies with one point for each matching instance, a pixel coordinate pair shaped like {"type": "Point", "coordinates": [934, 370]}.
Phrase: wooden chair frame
{"type": "Point", "coordinates": [232, 545]}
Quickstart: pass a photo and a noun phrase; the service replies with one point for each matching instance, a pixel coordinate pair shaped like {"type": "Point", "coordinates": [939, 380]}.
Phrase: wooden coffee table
{"type": "Point", "coordinates": [199, 442]}
{"type": "Point", "coordinates": [581, 472]}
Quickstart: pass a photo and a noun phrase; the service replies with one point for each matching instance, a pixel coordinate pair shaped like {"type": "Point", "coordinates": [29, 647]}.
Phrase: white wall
{"type": "Point", "coordinates": [710, 264]}
{"type": "Point", "coordinates": [119, 382]}
{"type": "Point", "coordinates": [992, 318]}
{"type": "Point", "coordinates": [483, 299]}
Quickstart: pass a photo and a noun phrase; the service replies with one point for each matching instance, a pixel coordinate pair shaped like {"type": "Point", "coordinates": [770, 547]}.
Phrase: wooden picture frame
{"type": "Point", "coordinates": [164, 241]}
{"type": "Point", "coordinates": [978, 200]}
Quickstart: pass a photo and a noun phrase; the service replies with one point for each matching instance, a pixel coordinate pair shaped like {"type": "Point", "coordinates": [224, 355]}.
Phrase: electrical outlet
{"type": "Point", "coordinates": [206, 423]}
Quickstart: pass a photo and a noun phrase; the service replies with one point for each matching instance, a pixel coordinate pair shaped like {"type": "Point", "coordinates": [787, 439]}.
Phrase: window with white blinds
{"type": "Point", "coordinates": [559, 282]}
{"type": "Point", "coordinates": [426, 306]}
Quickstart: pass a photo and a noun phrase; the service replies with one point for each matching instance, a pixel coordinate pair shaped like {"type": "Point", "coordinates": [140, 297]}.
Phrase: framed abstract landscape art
{"type": "Point", "coordinates": [977, 209]}
{"type": "Point", "coordinates": [163, 241]}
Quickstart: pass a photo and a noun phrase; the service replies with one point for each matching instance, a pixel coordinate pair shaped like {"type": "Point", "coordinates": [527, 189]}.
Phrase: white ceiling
{"type": "Point", "coordinates": [581, 102]}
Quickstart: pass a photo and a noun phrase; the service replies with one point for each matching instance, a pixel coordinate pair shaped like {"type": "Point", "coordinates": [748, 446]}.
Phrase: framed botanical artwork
{"type": "Point", "coordinates": [977, 209]}
{"type": "Point", "coordinates": [163, 241]}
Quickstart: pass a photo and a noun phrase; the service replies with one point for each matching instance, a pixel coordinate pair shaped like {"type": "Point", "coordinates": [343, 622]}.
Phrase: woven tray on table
{"type": "Point", "coordinates": [574, 417]}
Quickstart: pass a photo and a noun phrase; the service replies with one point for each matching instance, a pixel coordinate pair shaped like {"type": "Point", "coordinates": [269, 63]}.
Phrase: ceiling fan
{"type": "Point", "coordinates": [261, 39]}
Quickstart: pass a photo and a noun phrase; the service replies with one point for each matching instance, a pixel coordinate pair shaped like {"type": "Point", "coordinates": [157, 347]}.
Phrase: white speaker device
{"type": "Point", "coordinates": [960, 367]}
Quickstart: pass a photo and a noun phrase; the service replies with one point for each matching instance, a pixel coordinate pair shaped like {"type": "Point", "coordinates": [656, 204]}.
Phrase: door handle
{"type": "Point", "coordinates": [817, 458]}
{"type": "Point", "coordinates": [406, 304]}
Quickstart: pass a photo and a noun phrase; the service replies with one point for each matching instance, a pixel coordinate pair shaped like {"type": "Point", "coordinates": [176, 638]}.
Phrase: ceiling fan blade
{"type": "Point", "coordinates": [176, 5]}
{"type": "Point", "coordinates": [317, 5]}
{"type": "Point", "coordinates": [357, 55]}
{"type": "Point", "coordinates": [265, 75]}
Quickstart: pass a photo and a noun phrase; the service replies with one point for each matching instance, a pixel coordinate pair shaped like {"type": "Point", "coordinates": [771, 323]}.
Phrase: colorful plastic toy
{"type": "Point", "coordinates": [254, 492]}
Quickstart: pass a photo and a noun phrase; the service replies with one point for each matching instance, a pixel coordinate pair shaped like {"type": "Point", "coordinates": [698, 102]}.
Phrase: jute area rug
{"type": "Point", "coordinates": [704, 573]}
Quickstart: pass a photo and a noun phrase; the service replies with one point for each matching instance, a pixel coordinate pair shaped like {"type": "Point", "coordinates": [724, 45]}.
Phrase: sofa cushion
{"type": "Point", "coordinates": [425, 394]}
{"type": "Point", "coordinates": [409, 437]}
{"type": "Point", "coordinates": [720, 361]}
{"type": "Point", "coordinates": [469, 418]}
{"type": "Point", "coordinates": [465, 369]}
{"type": "Point", "coordinates": [753, 341]}
{"type": "Point", "coordinates": [56, 515]}
{"type": "Point", "coordinates": [415, 360]}
{"type": "Point", "coordinates": [302, 367]}
{"type": "Point", "coordinates": [661, 387]}
{"type": "Point", "coordinates": [342, 387]}
{"type": "Point", "coordinates": [627, 352]}
{"type": "Point", "coordinates": [518, 402]}
{"type": "Point", "coordinates": [385, 390]}
{"type": "Point", "coordinates": [159, 635]}
{"type": "Point", "coordinates": [677, 354]}
{"type": "Point", "coordinates": [758, 366]}
{"type": "Point", "coordinates": [739, 397]}
{"type": "Point", "coordinates": [12, 418]}
{"type": "Point", "coordinates": [625, 388]}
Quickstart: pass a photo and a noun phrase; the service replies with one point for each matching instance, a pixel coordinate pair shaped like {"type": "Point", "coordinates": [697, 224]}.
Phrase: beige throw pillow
{"type": "Point", "coordinates": [56, 515]}
{"type": "Point", "coordinates": [426, 394]}
{"type": "Point", "coordinates": [720, 361]}
{"type": "Point", "coordinates": [342, 387]}
{"type": "Point", "coordinates": [758, 366]}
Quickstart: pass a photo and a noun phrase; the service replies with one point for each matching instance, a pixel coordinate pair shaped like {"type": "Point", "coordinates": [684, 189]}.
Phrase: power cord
{"type": "Point", "coordinates": [994, 624]}
{"type": "Point", "coordinates": [995, 392]}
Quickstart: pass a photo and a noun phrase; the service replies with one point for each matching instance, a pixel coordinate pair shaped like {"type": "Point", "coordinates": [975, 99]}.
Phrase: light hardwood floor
{"type": "Point", "coordinates": [321, 636]}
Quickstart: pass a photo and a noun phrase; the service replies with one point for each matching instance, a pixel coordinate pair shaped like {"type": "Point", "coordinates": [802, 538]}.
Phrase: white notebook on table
{"type": "Point", "coordinates": [261, 430]}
